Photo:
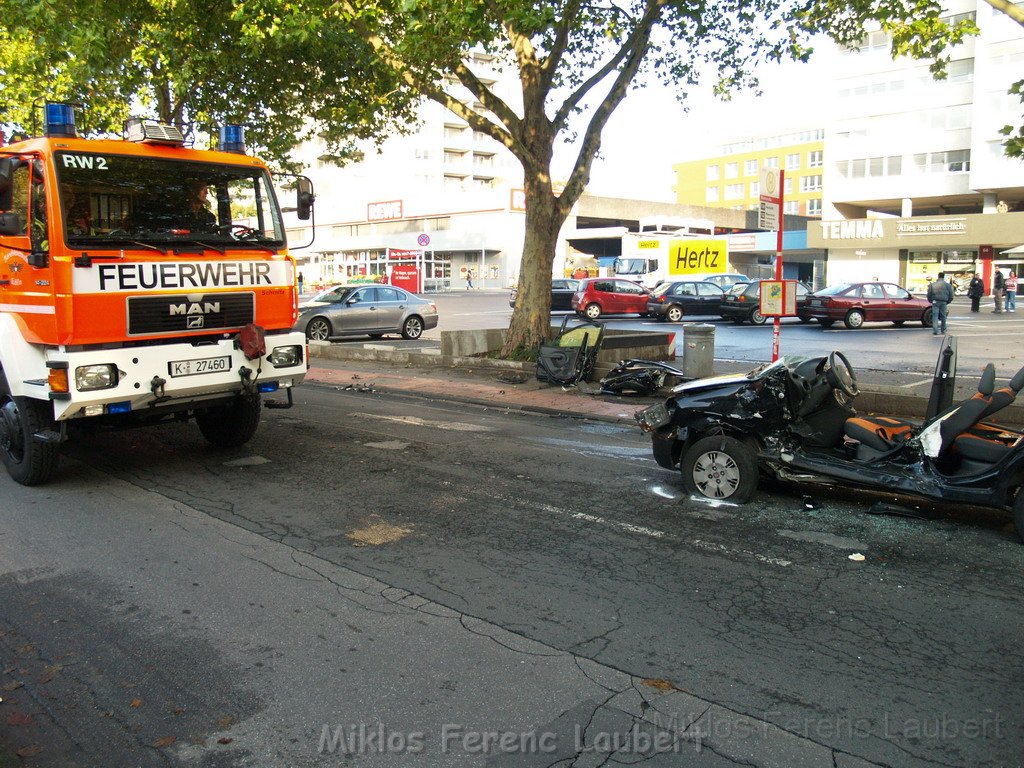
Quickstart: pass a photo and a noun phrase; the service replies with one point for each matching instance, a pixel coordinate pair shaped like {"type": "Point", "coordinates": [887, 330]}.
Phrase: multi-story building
{"type": "Point", "coordinates": [443, 198]}
{"type": "Point", "coordinates": [730, 178]}
{"type": "Point", "coordinates": [900, 145]}
{"type": "Point", "coordinates": [927, 153]}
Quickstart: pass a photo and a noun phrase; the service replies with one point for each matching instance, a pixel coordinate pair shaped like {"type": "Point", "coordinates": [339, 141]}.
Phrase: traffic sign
{"type": "Point", "coordinates": [423, 240]}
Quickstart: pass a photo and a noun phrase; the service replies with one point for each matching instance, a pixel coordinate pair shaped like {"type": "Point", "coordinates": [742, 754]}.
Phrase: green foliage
{"type": "Point", "coordinates": [1015, 136]}
{"type": "Point", "coordinates": [199, 65]}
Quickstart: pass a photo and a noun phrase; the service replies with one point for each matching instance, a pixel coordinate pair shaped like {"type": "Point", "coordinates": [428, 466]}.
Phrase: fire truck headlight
{"type": "Point", "coordinates": [285, 357]}
{"type": "Point", "coordinates": [90, 377]}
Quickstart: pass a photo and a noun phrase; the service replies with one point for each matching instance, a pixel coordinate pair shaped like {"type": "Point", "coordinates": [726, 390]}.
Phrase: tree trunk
{"type": "Point", "coordinates": [531, 322]}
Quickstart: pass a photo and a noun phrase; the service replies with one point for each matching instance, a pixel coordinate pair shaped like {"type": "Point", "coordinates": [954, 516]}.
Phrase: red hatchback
{"type": "Point", "coordinates": [598, 296]}
{"type": "Point", "coordinates": [859, 303]}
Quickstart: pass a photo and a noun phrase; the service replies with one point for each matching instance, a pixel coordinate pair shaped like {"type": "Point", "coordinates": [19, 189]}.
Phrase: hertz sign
{"type": "Point", "coordinates": [696, 256]}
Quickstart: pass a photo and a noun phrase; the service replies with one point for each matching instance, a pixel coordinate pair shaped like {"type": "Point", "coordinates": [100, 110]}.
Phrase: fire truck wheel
{"type": "Point", "coordinates": [28, 461]}
{"type": "Point", "coordinates": [231, 425]}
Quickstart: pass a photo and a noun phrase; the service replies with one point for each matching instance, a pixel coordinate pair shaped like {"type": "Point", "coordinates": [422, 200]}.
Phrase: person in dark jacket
{"type": "Point", "coordinates": [940, 293]}
{"type": "Point", "coordinates": [975, 291]}
{"type": "Point", "coordinates": [998, 288]}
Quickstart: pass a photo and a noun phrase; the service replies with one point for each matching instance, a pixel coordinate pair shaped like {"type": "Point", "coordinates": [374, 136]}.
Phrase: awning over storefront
{"type": "Point", "coordinates": [1011, 251]}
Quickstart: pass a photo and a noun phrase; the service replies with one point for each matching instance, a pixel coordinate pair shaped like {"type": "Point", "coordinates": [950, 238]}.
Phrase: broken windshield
{"type": "Point", "coordinates": [120, 200]}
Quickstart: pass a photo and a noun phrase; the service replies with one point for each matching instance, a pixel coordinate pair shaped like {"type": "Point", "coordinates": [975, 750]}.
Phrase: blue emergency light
{"type": "Point", "coordinates": [232, 139]}
{"type": "Point", "coordinates": [58, 119]}
{"type": "Point", "coordinates": [121, 407]}
{"type": "Point", "coordinates": [267, 386]}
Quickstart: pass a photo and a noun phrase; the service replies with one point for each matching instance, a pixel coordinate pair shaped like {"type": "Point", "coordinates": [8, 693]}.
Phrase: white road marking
{"type": "Point", "coordinates": [416, 421]}
{"type": "Point", "coordinates": [655, 533]}
{"type": "Point", "coordinates": [617, 524]}
{"type": "Point", "coordinates": [917, 383]}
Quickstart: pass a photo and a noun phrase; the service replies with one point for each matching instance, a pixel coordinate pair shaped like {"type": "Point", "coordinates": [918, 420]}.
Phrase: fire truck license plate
{"type": "Point", "coordinates": [203, 365]}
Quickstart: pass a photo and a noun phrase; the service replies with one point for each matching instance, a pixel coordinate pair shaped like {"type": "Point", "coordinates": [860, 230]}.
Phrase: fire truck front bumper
{"type": "Point", "coordinates": [169, 376]}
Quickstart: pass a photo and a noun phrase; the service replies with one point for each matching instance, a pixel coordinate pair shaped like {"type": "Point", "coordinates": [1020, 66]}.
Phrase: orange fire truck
{"type": "Point", "coordinates": [142, 281]}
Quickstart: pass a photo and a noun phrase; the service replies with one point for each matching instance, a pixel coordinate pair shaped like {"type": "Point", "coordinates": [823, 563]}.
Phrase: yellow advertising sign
{"type": "Point", "coordinates": [646, 245]}
{"type": "Point", "coordinates": [698, 256]}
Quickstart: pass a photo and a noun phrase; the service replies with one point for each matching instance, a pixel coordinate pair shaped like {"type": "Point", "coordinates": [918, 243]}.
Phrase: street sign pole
{"type": "Point", "coordinates": [777, 325]}
{"type": "Point", "coordinates": [770, 216]}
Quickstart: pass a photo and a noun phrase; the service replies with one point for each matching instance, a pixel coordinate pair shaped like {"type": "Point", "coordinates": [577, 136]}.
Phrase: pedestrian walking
{"type": "Point", "coordinates": [469, 279]}
{"type": "Point", "coordinates": [300, 281]}
{"type": "Point", "coordinates": [998, 288]}
{"type": "Point", "coordinates": [1011, 291]}
{"type": "Point", "coordinates": [975, 291]}
{"type": "Point", "coordinates": [940, 293]}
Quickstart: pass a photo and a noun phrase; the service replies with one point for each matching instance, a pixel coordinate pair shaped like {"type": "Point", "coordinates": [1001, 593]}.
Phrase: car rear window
{"type": "Point", "coordinates": [834, 290]}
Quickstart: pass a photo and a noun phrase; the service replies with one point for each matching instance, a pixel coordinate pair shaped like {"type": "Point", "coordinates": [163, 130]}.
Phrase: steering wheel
{"type": "Point", "coordinates": [841, 377]}
{"type": "Point", "coordinates": [238, 231]}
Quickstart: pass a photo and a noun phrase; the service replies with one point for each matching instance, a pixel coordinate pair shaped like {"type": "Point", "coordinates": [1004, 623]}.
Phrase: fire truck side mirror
{"type": "Point", "coordinates": [10, 224]}
{"type": "Point", "coordinates": [304, 198]}
{"type": "Point", "coordinates": [7, 166]}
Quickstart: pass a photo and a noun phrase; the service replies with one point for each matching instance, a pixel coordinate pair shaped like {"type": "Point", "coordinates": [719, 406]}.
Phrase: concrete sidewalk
{"type": "Point", "coordinates": [418, 368]}
{"type": "Point", "coordinates": [492, 387]}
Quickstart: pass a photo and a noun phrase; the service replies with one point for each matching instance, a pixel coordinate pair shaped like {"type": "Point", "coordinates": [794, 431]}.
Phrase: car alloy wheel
{"type": "Point", "coordinates": [674, 314]}
{"type": "Point", "coordinates": [412, 328]}
{"type": "Point", "coordinates": [318, 329]}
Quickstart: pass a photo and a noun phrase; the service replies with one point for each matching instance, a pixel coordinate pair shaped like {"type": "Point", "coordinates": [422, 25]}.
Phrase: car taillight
{"type": "Point", "coordinates": [661, 299]}
{"type": "Point", "coordinates": [742, 298]}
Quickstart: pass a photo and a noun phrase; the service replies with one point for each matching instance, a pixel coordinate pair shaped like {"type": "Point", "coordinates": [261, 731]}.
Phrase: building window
{"type": "Point", "coordinates": [792, 207]}
{"type": "Point", "coordinates": [953, 161]}
{"type": "Point", "coordinates": [732, 170]}
{"type": "Point", "coordinates": [755, 189]}
{"type": "Point", "coordinates": [793, 161]}
{"type": "Point", "coordinates": [711, 196]}
{"type": "Point", "coordinates": [960, 71]}
{"type": "Point", "coordinates": [453, 131]}
{"type": "Point", "coordinates": [815, 159]}
{"type": "Point", "coordinates": [814, 207]}
{"type": "Point", "coordinates": [771, 162]}
{"type": "Point", "coordinates": [810, 183]}
{"type": "Point", "coordinates": [453, 157]}
{"type": "Point", "coordinates": [750, 168]}
{"type": "Point", "coordinates": [733, 191]}
{"type": "Point", "coordinates": [453, 182]}
{"type": "Point", "coordinates": [712, 173]}
{"type": "Point", "coordinates": [482, 182]}
{"type": "Point", "coordinates": [787, 186]}
{"type": "Point", "coordinates": [483, 160]}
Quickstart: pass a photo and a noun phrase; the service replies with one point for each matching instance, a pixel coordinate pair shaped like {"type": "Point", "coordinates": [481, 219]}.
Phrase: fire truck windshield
{"type": "Point", "coordinates": [115, 200]}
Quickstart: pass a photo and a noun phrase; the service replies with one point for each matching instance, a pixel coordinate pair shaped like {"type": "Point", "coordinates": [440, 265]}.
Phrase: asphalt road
{"type": "Point", "coordinates": [402, 565]}
{"type": "Point", "coordinates": [982, 337]}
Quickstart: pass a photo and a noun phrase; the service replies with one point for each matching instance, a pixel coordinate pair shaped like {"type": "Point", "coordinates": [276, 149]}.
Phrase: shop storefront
{"type": "Point", "coordinates": [913, 251]}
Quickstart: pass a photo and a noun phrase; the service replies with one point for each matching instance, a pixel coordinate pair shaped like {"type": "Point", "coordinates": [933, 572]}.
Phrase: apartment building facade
{"type": "Point", "coordinates": [730, 177]}
{"type": "Point", "coordinates": [443, 198]}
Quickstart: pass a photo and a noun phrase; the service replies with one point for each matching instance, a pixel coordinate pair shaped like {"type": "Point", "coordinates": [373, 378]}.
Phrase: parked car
{"type": "Point", "coordinates": [727, 280]}
{"type": "Point", "coordinates": [598, 296]}
{"type": "Point", "coordinates": [859, 303]}
{"type": "Point", "coordinates": [742, 303]}
{"type": "Point", "coordinates": [674, 301]}
{"type": "Point", "coordinates": [365, 310]}
{"type": "Point", "coordinates": [561, 294]}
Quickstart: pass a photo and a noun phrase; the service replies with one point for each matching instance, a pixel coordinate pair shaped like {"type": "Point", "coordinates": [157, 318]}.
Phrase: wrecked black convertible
{"type": "Point", "coordinates": [794, 420]}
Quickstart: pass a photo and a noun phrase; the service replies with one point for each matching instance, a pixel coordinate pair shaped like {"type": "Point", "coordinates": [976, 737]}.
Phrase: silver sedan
{"type": "Point", "coordinates": [365, 310]}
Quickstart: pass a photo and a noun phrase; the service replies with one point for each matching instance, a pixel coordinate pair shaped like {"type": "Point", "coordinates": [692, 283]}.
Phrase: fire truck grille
{"type": "Point", "coordinates": [184, 314]}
